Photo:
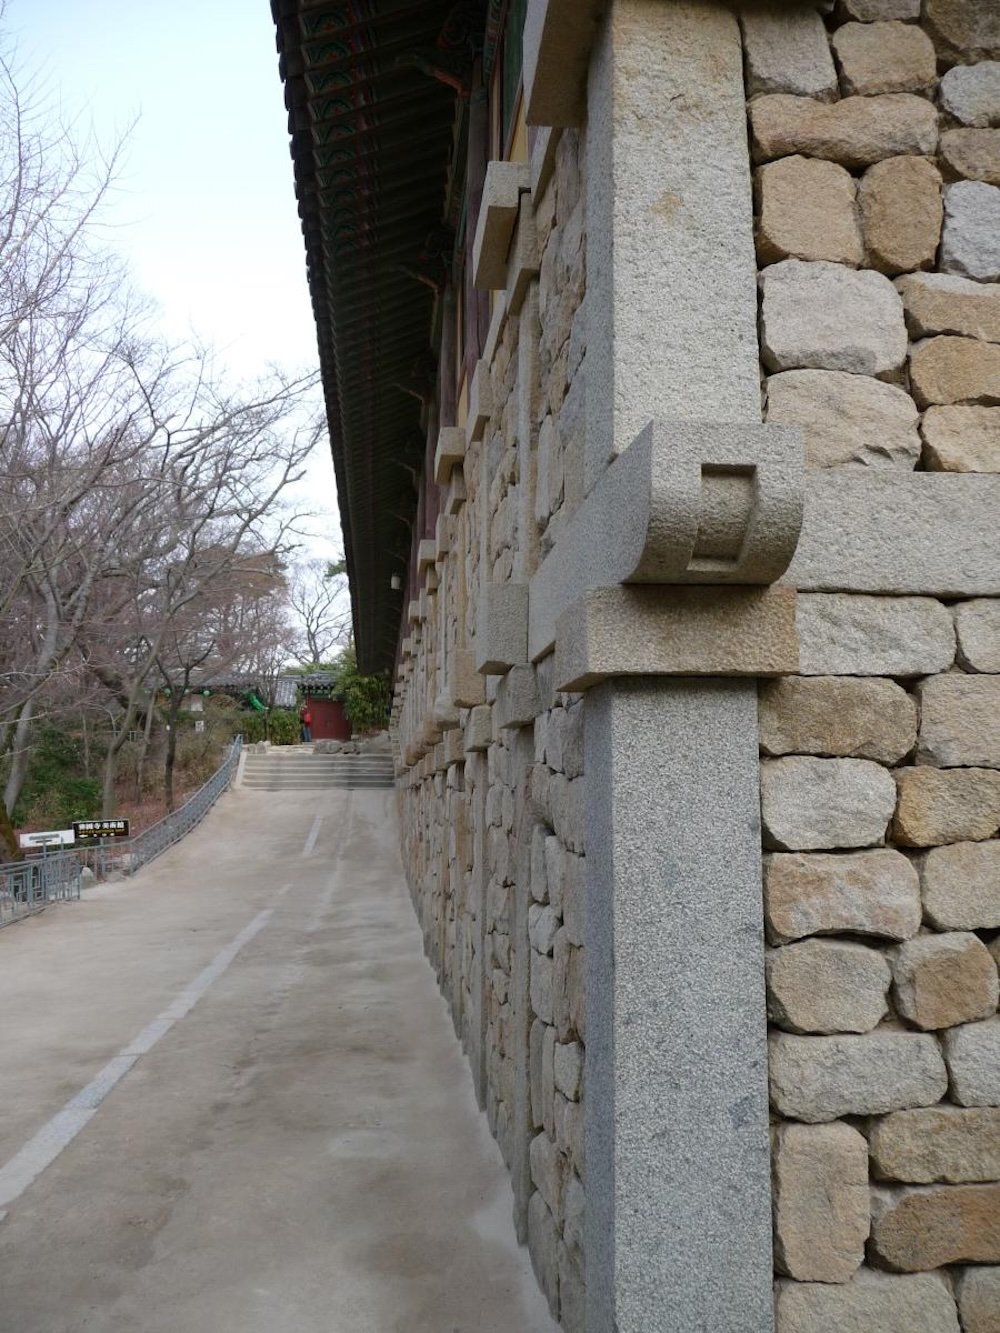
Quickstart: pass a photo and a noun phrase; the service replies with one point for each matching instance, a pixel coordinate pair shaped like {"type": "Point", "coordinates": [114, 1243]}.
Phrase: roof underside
{"type": "Point", "coordinates": [372, 133]}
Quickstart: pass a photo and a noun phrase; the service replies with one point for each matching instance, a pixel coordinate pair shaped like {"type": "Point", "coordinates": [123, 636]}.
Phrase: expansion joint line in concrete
{"type": "Point", "coordinates": [43, 1148]}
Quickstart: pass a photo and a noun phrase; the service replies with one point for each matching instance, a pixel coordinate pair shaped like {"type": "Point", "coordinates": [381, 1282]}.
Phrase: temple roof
{"type": "Point", "coordinates": [372, 122]}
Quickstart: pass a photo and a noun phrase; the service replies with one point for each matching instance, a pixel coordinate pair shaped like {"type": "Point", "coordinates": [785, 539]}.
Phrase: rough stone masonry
{"type": "Point", "coordinates": [874, 152]}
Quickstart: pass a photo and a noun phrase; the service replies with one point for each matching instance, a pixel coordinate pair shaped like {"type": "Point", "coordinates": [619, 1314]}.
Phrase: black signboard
{"type": "Point", "coordinates": [90, 830]}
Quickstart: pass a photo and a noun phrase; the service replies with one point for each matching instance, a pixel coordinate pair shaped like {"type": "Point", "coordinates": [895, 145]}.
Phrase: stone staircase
{"type": "Point", "coordinates": [297, 768]}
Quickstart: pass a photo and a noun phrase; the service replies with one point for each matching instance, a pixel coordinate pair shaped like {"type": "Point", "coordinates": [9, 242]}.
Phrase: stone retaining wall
{"type": "Point", "coordinates": [873, 131]}
{"type": "Point", "coordinates": [492, 815]}
{"type": "Point", "coordinates": [874, 134]}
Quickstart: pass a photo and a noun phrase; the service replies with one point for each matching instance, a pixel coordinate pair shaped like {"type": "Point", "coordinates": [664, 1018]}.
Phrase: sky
{"type": "Point", "coordinates": [204, 207]}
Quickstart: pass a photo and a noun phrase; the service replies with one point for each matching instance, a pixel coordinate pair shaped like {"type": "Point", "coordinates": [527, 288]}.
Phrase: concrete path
{"type": "Point", "coordinates": [278, 1133]}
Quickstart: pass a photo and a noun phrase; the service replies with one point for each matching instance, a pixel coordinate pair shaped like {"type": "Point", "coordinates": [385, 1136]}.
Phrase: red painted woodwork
{"type": "Point", "coordinates": [329, 721]}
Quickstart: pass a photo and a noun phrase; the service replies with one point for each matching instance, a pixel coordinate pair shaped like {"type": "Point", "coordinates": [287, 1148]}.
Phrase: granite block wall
{"type": "Point", "coordinates": [874, 131]}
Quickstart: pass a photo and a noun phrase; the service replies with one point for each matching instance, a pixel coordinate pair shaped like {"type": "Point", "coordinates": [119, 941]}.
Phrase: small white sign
{"type": "Point", "coordinates": [199, 724]}
{"type": "Point", "coordinates": [63, 837]}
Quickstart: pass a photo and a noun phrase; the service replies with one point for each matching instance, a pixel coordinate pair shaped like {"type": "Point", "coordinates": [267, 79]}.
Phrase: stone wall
{"type": "Point", "coordinates": [873, 127]}
{"type": "Point", "coordinates": [491, 793]}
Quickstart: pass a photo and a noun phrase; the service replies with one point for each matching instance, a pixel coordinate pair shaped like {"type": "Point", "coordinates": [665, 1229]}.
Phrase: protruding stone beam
{"type": "Point", "coordinates": [457, 493]}
{"type": "Point", "coordinates": [676, 631]}
{"type": "Point", "coordinates": [480, 402]}
{"type": "Point", "coordinates": [426, 554]}
{"type": "Point", "coordinates": [505, 182]}
{"type": "Point", "coordinates": [466, 685]}
{"type": "Point", "coordinates": [524, 259]}
{"type": "Point", "coordinates": [558, 37]}
{"type": "Point", "coordinates": [687, 502]}
{"type": "Point", "coordinates": [449, 453]}
{"type": "Point", "coordinates": [501, 627]}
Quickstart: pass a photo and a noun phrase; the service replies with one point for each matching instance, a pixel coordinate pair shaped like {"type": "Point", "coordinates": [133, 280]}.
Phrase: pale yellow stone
{"type": "Point", "coordinates": [884, 57]}
{"type": "Point", "coordinates": [940, 1143]}
{"type": "Point", "coordinates": [960, 721]}
{"type": "Point", "coordinates": [821, 1209]}
{"type": "Point", "coordinates": [942, 980]}
{"type": "Point", "coordinates": [962, 439]}
{"type": "Point", "coordinates": [914, 1230]}
{"type": "Point", "coordinates": [840, 716]}
{"type": "Point", "coordinates": [973, 154]}
{"type": "Point", "coordinates": [806, 210]}
{"type": "Point", "coordinates": [955, 370]}
{"type": "Point", "coordinates": [901, 212]}
{"type": "Point", "coordinates": [938, 806]}
{"type": "Point", "coordinates": [855, 131]}
{"type": "Point", "coordinates": [947, 303]}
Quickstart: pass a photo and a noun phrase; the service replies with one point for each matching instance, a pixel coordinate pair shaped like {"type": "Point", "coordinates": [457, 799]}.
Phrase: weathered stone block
{"type": "Point", "coordinates": [827, 317]}
{"type": "Point", "coordinates": [825, 1078]}
{"type": "Point", "coordinates": [870, 1302]}
{"type": "Point", "coordinates": [501, 627]}
{"type": "Point", "coordinates": [946, 303]}
{"type": "Point", "coordinates": [575, 1208]}
{"type": "Point", "coordinates": [962, 439]}
{"type": "Point", "coordinates": [941, 980]}
{"type": "Point", "coordinates": [928, 1226]}
{"type": "Point", "coordinates": [569, 1069]}
{"type": "Point", "coordinates": [901, 213]}
{"type": "Point", "coordinates": [517, 702]}
{"type": "Point", "coordinates": [865, 893]}
{"type": "Point", "coordinates": [826, 986]}
{"type": "Point", "coordinates": [962, 31]}
{"type": "Point", "coordinates": [972, 1053]}
{"type": "Point", "coordinates": [811, 803]}
{"type": "Point", "coordinates": [937, 806]}
{"type": "Point", "coordinates": [955, 370]}
{"type": "Point", "coordinates": [821, 1208]}
{"type": "Point", "coordinates": [558, 38]}
{"type": "Point", "coordinates": [971, 93]}
{"type": "Point", "coordinates": [539, 867]}
{"type": "Point", "coordinates": [941, 540]}
{"type": "Point", "coordinates": [978, 624]}
{"type": "Point", "coordinates": [505, 182]}
{"type": "Point", "coordinates": [806, 210]}
{"type": "Point", "coordinates": [971, 240]}
{"type": "Point", "coordinates": [961, 886]}
{"type": "Point", "coordinates": [884, 57]}
{"type": "Point", "coordinates": [874, 11]}
{"type": "Point", "coordinates": [542, 926]}
{"type": "Point", "coordinates": [960, 721]}
{"type": "Point", "coordinates": [541, 986]}
{"type": "Point", "coordinates": [548, 1172]}
{"type": "Point", "coordinates": [953, 1144]}
{"type": "Point", "coordinates": [663, 629]}
{"type": "Point", "coordinates": [449, 453]}
{"type": "Point", "coordinates": [543, 1246]}
{"type": "Point", "coordinates": [849, 634]}
{"type": "Point", "coordinates": [978, 1292]}
{"type": "Point", "coordinates": [855, 131]}
{"type": "Point", "coordinates": [846, 419]}
{"type": "Point", "coordinates": [568, 980]}
{"type": "Point", "coordinates": [974, 154]}
{"type": "Point", "coordinates": [839, 716]}
{"type": "Point", "coordinates": [479, 728]}
{"type": "Point", "coordinates": [787, 51]}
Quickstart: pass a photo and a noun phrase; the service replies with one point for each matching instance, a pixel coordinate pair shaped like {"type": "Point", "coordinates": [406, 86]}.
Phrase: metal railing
{"type": "Point", "coordinates": [134, 853]}
{"type": "Point", "coordinates": [27, 886]}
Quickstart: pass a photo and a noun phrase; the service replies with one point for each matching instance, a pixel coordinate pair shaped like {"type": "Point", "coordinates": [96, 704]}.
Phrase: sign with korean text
{"type": "Point", "coordinates": [89, 830]}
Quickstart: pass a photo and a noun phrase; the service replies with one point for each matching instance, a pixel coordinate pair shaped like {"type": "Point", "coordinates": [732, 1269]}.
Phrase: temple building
{"type": "Point", "coordinates": [661, 349]}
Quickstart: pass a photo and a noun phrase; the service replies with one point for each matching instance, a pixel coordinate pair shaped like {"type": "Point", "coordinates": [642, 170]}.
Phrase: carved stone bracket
{"type": "Point", "coordinates": [688, 502]}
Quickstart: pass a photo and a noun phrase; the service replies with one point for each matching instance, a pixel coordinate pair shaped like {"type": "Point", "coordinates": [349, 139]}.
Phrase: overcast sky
{"type": "Point", "coordinates": [204, 210]}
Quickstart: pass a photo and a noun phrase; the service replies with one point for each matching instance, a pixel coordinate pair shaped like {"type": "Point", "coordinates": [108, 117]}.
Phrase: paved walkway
{"type": "Point", "coordinates": [278, 1133]}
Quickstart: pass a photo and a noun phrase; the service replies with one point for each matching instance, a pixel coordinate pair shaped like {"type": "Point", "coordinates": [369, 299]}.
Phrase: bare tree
{"type": "Point", "coordinates": [320, 610]}
{"type": "Point", "coordinates": [132, 479]}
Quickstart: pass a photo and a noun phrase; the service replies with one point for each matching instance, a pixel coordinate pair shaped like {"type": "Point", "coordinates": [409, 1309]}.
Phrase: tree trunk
{"type": "Point", "coordinates": [140, 767]}
{"type": "Point", "coordinates": [20, 755]}
{"type": "Point", "coordinates": [8, 837]}
{"type": "Point", "coordinates": [168, 763]}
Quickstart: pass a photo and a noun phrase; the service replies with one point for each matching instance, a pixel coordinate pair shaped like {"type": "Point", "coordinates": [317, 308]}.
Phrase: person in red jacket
{"type": "Point", "coordinates": [306, 718]}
